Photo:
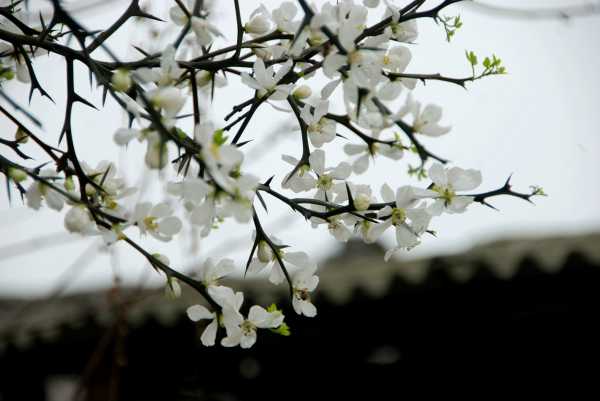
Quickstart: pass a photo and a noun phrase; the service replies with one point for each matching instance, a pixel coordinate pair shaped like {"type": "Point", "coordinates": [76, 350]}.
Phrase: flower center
{"type": "Point", "coordinates": [247, 327]}
{"type": "Point", "coordinates": [355, 57]}
{"type": "Point", "coordinates": [150, 223]}
{"type": "Point", "coordinates": [315, 128]}
{"type": "Point", "coordinates": [445, 193]}
{"type": "Point", "coordinates": [398, 216]}
{"type": "Point", "coordinates": [325, 182]}
{"type": "Point", "coordinates": [302, 294]}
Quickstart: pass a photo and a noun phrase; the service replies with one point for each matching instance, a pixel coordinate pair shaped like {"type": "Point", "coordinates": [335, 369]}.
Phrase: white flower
{"type": "Point", "coordinates": [336, 227]}
{"type": "Point", "coordinates": [239, 203]}
{"type": "Point", "coordinates": [302, 180]}
{"type": "Point", "coordinates": [366, 152]}
{"type": "Point", "coordinates": [168, 73]}
{"type": "Point", "coordinates": [327, 177]}
{"type": "Point", "coordinates": [266, 258]}
{"type": "Point", "coordinates": [113, 188]}
{"type": "Point", "coordinates": [156, 220]}
{"type": "Point", "coordinates": [265, 81]}
{"type": "Point", "coordinates": [320, 130]}
{"type": "Point", "coordinates": [396, 59]}
{"type": "Point", "coordinates": [361, 193]}
{"type": "Point", "coordinates": [304, 282]}
{"type": "Point", "coordinates": [445, 184]}
{"type": "Point", "coordinates": [169, 68]}
{"type": "Point", "coordinates": [425, 121]}
{"type": "Point", "coordinates": [259, 23]}
{"type": "Point", "coordinates": [212, 272]}
{"type": "Point", "coordinates": [200, 312]}
{"type": "Point", "coordinates": [408, 217]}
{"type": "Point", "coordinates": [204, 31]}
{"type": "Point", "coordinates": [191, 189]}
{"type": "Point", "coordinates": [215, 152]}
{"type": "Point", "coordinates": [168, 99]}
{"type": "Point", "coordinates": [242, 331]}
{"type": "Point", "coordinates": [283, 17]}
{"type": "Point", "coordinates": [204, 215]}
{"type": "Point", "coordinates": [228, 300]}
{"type": "Point", "coordinates": [402, 32]}
{"type": "Point", "coordinates": [39, 191]}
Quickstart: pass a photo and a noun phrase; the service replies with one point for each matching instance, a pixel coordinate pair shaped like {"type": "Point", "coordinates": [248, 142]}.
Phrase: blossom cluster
{"type": "Point", "coordinates": [362, 65]}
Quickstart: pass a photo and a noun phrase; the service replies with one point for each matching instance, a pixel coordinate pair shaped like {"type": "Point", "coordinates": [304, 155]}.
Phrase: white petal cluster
{"type": "Point", "coordinates": [156, 220]}
{"type": "Point", "coordinates": [266, 81]}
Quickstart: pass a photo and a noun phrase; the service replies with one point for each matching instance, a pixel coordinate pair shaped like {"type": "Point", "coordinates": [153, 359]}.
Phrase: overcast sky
{"type": "Point", "coordinates": [540, 123]}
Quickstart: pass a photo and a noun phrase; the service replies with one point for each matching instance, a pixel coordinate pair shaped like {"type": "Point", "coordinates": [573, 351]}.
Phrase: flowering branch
{"type": "Point", "coordinates": [274, 51]}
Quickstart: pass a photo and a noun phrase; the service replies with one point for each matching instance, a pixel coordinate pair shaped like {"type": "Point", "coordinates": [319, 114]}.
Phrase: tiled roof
{"type": "Point", "coordinates": [357, 266]}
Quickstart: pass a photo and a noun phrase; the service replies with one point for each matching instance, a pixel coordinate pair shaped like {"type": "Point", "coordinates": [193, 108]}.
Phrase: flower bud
{"type": "Point", "coordinates": [121, 80]}
{"type": "Point", "coordinates": [162, 258]}
{"type": "Point", "coordinates": [258, 25]}
{"type": "Point", "coordinates": [124, 135]}
{"type": "Point", "coordinates": [362, 202]}
{"type": "Point", "coordinates": [203, 78]}
{"type": "Point", "coordinates": [156, 155]}
{"type": "Point", "coordinates": [69, 184]}
{"type": "Point", "coordinates": [77, 220]}
{"type": "Point", "coordinates": [302, 92]}
{"type": "Point", "coordinates": [172, 289]}
{"type": "Point", "coordinates": [21, 136]}
{"type": "Point", "coordinates": [90, 190]}
{"type": "Point", "coordinates": [265, 253]}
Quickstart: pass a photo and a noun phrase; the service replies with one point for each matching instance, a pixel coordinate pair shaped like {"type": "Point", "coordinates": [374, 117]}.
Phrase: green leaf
{"type": "Point", "coordinates": [283, 330]}
{"type": "Point", "coordinates": [472, 58]}
{"type": "Point", "coordinates": [219, 138]}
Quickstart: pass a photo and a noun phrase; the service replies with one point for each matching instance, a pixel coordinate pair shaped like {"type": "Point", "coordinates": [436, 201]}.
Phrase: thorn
{"type": "Point", "coordinates": [77, 98]}
{"type": "Point", "coordinates": [104, 94]}
{"type": "Point", "coordinates": [142, 14]}
{"type": "Point", "coordinates": [262, 201]}
{"type": "Point", "coordinates": [350, 198]}
{"type": "Point", "coordinates": [256, 241]}
{"type": "Point", "coordinates": [239, 145]}
{"type": "Point", "coordinates": [139, 49]}
{"type": "Point", "coordinates": [490, 206]}
{"type": "Point", "coordinates": [268, 182]}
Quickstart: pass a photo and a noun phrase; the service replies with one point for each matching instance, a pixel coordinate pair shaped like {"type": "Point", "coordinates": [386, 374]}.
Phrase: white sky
{"type": "Point", "coordinates": [539, 122]}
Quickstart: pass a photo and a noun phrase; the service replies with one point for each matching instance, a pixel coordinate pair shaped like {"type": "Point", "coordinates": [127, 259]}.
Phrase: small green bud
{"type": "Point", "coordinates": [69, 184]}
{"type": "Point", "coordinates": [16, 174]}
